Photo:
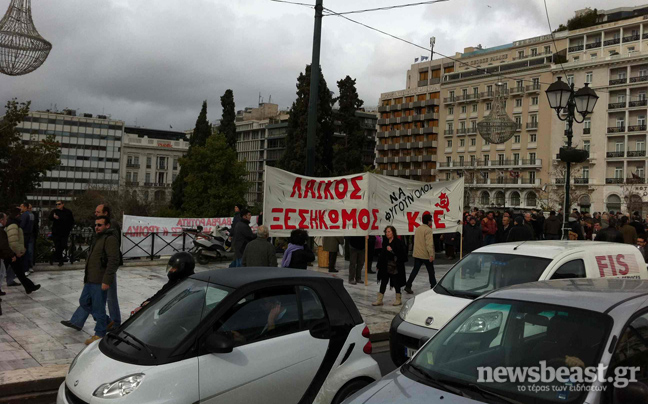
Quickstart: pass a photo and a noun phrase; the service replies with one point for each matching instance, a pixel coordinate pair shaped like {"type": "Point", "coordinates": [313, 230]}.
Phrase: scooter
{"type": "Point", "coordinates": [214, 246]}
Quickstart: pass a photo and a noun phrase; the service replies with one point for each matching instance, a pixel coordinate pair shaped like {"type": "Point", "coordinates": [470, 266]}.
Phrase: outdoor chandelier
{"type": "Point", "coordinates": [22, 49]}
{"type": "Point", "coordinates": [497, 127]}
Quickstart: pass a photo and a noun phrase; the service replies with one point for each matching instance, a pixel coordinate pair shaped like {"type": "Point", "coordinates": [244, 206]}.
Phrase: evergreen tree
{"type": "Point", "coordinates": [201, 133]}
{"type": "Point", "coordinates": [215, 179]}
{"type": "Point", "coordinates": [294, 159]}
{"type": "Point", "coordinates": [228, 122]}
{"type": "Point", "coordinates": [349, 152]}
{"type": "Point", "coordinates": [22, 164]}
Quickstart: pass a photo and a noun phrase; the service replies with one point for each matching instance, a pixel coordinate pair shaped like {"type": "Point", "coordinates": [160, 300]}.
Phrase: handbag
{"type": "Point", "coordinates": [392, 267]}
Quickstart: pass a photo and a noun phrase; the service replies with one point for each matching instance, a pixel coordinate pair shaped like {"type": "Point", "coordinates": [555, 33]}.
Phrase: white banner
{"type": "Point", "coordinates": [357, 205]}
{"type": "Point", "coordinates": [143, 235]}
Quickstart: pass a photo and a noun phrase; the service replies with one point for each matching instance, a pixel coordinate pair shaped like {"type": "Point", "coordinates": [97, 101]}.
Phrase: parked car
{"type": "Point", "coordinates": [236, 335]}
{"type": "Point", "coordinates": [576, 324]}
{"type": "Point", "coordinates": [501, 265]}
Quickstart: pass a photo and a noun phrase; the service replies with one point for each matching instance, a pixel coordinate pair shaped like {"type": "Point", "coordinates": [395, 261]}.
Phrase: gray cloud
{"type": "Point", "coordinates": [154, 61]}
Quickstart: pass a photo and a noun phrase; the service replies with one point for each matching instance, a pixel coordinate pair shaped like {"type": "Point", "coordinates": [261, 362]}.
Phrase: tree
{"type": "Point", "coordinates": [215, 179]}
{"type": "Point", "coordinates": [23, 164]}
{"type": "Point", "coordinates": [348, 153]}
{"type": "Point", "coordinates": [201, 133]}
{"type": "Point", "coordinates": [228, 122]}
{"type": "Point", "coordinates": [294, 159]}
{"type": "Point", "coordinates": [553, 196]}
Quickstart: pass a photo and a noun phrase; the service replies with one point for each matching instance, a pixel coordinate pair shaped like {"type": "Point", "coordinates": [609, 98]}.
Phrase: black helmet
{"type": "Point", "coordinates": [183, 262]}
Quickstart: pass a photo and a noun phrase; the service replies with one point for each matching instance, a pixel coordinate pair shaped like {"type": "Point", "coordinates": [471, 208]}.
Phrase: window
{"type": "Point", "coordinates": [536, 82]}
{"type": "Point", "coordinates": [576, 58]}
{"type": "Point", "coordinates": [535, 100]}
{"type": "Point", "coordinates": [531, 198]}
{"type": "Point", "coordinates": [489, 89]}
{"type": "Point", "coordinates": [135, 176]}
{"type": "Point", "coordinates": [521, 54]}
{"type": "Point", "coordinates": [622, 75]}
{"type": "Point", "coordinates": [149, 161]}
{"type": "Point", "coordinates": [515, 199]}
{"type": "Point", "coordinates": [516, 139]}
{"type": "Point", "coordinates": [243, 322]}
{"type": "Point", "coordinates": [147, 178]}
{"type": "Point", "coordinates": [447, 177]}
{"type": "Point", "coordinates": [587, 124]}
{"type": "Point", "coordinates": [618, 172]}
{"type": "Point", "coordinates": [620, 98]}
{"type": "Point", "coordinates": [570, 79]}
{"type": "Point", "coordinates": [586, 145]}
{"type": "Point", "coordinates": [547, 49]}
{"type": "Point", "coordinates": [461, 161]}
{"type": "Point", "coordinates": [312, 308]}
{"type": "Point", "coordinates": [129, 177]}
{"type": "Point", "coordinates": [484, 199]}
{"type": "Point", "coordinates": [532, 157]}
{"type": "Point", "coordinates": [586, 172]}
{"type": "Point", "coordinates": [593, 56]}
{"type": "Point", "coordinates": [632, 348]}
{"type": "Point", "coordinates": [464, 93]}
{"type": "Point", "coordinates": [534, 119]}
{"type": "Point", "coordinates": [473, 142]}
{"type": "Point", "coordinates": [129, 160]}
{"type": "Point", "coordinates": [620, 122]}
{"type": "Point", "coordinates": [588, 77]}
{"type": "Point", "coordinates": [619, 147]}
{"type": "Point", "coordinates": [533, 138]}
{"type": "Point", "coordinates": [570, 270]}
{"type": "Point", "coordinates": [449, 143]}
{"type": "Point", "coordinates": [473, 126]}
{"type": "Point", "coordinates": [448, 160]}
{"type": "Point", "coordinates": [518, 121]}
{"type": "Point", "coordinates": [516, 158]}
{"type": "Point", "coordinates": [450, 126]}
{"type": "Point", "coordinates": [451, 111]}
{"type": "Point", "coordinates": [640, 172]}
{"type": "Point", "coordinates": [463, 109]}
{"type": "Point", "coordinates": [534, 51]}
{"type": "Point", "coordinates": [476, 91]}
{"type": "Point", "coordinates": [487, 160]}
{"type": "Point", "coordinates": [175, 164]}
{"type": "Point", "coordinates": [462, 142]}
{"type": "Point", "coordinates": [643, 72]}
{"type": "Point", "coordinates": [642, 96]}
{"type": "Point", "coordinates": [474, 108]}
{"type": "Point", "coordinates": [641, 120]}
{"type": "Point", "coordinates": [451, 94]}
{"type": "Point", "coordinates": [500, 159]}
{"type": "Point", "coordinates": [462, 125]}
{"type": "Point", "coordinates": [613, 203]}
{"type": "Point", "coordinates": [641, 145]}
{"type": "Point", "coordinates": [473, 159]}
{"type": "Point", "coordinates": [518, 103]}
{"type": "Point", "coordinates": [489, 106]}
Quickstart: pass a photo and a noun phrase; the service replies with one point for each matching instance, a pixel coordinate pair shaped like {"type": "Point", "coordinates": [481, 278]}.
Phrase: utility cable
{"type": "Point", "coordinates": [422, 3]}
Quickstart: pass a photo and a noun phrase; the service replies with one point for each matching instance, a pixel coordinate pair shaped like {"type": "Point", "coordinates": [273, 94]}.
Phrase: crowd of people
{"type": "Point", "coordinates": [482, 228]}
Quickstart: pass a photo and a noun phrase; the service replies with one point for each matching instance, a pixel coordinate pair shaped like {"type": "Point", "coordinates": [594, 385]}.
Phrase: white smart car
{"type": "Point", "coordinates": [240, 335]}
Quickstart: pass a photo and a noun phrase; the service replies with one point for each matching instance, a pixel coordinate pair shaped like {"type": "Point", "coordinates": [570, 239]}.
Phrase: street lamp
{"type": "Point", "coordinates": [562, 97]}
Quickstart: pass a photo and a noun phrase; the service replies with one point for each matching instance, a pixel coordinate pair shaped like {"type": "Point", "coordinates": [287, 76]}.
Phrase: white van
{"type": "Point", "coordinates": [499, 265]}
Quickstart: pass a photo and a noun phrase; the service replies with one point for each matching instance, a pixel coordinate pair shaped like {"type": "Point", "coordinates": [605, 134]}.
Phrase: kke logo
{"type": "Point", "coordinates": [444, 202]}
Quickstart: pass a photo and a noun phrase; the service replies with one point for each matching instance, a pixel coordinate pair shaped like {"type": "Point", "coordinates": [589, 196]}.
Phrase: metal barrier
{"type": "Point", "coordinates": [154, 252]}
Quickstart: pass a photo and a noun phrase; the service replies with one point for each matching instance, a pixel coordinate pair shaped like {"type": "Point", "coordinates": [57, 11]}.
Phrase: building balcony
{"type": "Point", "coordinates": [614, 154]}
{"type": "Point", "coordinates": [472, 131]}
{"type": "Point", "coordinates": [462, 131]}
{"type": "Point", "coordinates": [614, 41]}
{"type": "Point", "coordinates": [638, 79]}
{"type": "Point", "coordinates": [534, 88]}
{"type": "Point", "coordinates": [449, 100]}
{"type": "Point", "coordinates": [636, 128]}
{"type": "Point", "coordinates": [593, 45]}
{"type": "Point", "coordinates": [616, 129]}
{"type": "Point", "coordinates": [636, 153]}
{"type": "Point", "coordinates": [517, 90]}
{"type": "Point", "coordinates": [156, 185]}
{"type": "Point", "coordinates": [132, 183]}
{"type": "Point", "coordinates": [422, 83]}
{"type": "Point", "coordinates": [383, 121]}
{"type": "Point", "coordinates": [576, 48]}
{"type": "Point", "coordinates": [448, 132]}
{"type": "Point", "coordinates": [616, 105]}
{"type": "Point", "coordinates": [587, 131]}
{"type": "Point", "coordinates": [636, 180]}
{"type": "Point", "coordinates": [487, 94]}
{"type": "Point", "coordinates": [639, 103]}
{"type": "Point", "coordinates": [503, 182]}
{"type": "Point", "coordinates": [532, 125]}
{"type": "Point", "coordinates": [537, 163]}
{"type": "Point", "coordinates": [618, 81]}
{"type": "Point", "coordinates": [518, 127]}
{"type": "Point", "coordinates": [631, 38]}
{"type": "Point", "coordinates": [132, 165]}
{"type": "Point", "coordinates": [614, 180]}
{"type": "Point", "coordinates": [581, 181]}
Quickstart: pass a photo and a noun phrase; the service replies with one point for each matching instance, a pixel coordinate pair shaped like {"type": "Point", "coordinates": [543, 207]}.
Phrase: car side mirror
{"type": "Point", "coordinates": [218, 343]}
{"type": "Point", "coordinates": [633, 393]}
{"type": "Point", "coordinates": [320, 330]}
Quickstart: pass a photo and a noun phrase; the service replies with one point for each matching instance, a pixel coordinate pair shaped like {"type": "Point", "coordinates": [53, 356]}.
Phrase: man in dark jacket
{"type": "Point", "coordinates": [472, 236]}
{"type": "Point", "coordinates": [538, 220]}
{"type": "Point", "coordinates": [521, 231]}
{"type": "Point", "coordinates": [529, 224]}
{"type": "Point", "coordinates": [101, 266]}
{"type": "Point", "coordinates": [504, 230]}
{"type": "Point", "coordinates": [356, 258]}
{"type": "Point", "coordinates": [242, 236]}
{"type": "Point", "coordinates": [62, 224]}
{"type": "Point", "coordinates": [610, 233]}
{"type": "Point", "coordinates": [235, 221]}
{"type": "Point", "coordinates": [629, 233]}
{"type": "Point", "coordinates": [259, 252]}
{"type": "Point", "coordinates": [552, 226]}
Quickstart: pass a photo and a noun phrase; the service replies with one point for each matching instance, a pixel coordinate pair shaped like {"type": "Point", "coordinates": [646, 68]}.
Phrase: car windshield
{"type": "Point", "coordinates": [497, 346]}
{"type": "Point", "coordinates": [479, 273]}
{"type": "Point", "coordinates": [164, 323]}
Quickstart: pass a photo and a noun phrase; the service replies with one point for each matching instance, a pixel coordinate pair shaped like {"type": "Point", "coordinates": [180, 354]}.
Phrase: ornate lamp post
{"type": "Point", "coordinates": [563, 98]}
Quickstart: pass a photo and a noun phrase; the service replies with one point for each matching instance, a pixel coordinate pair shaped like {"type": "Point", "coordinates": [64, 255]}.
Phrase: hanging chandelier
{"type": "Point", "coordinates": [497, 127]}
{"type": "Point", "coordinates": [22, 48]}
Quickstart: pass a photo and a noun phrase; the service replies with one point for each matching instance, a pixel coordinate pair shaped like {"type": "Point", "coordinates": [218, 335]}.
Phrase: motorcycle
{"type": "Point", "coordinates": [214, 246]}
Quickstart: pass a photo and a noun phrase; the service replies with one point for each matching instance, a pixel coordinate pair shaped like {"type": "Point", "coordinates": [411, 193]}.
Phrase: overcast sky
{"type": "Point", "coordinates": [154, 61]}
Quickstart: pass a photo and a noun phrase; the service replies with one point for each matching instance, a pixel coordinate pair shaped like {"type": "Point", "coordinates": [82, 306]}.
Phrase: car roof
{"type": "Point", "coordinates": [549, 249]}
{"type": "Point", "coordinates": [599, 295]}
{"type": "Point", "coordinates": [237, 277]}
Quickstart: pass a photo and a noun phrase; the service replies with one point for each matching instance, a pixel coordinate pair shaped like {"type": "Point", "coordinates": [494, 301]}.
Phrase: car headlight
{"type": "Point", "coordinates": [119, 388]}
{"type": "Point", "coordinates": [75, 359]}
{"type": "Point", "coordinates": [406, 308]}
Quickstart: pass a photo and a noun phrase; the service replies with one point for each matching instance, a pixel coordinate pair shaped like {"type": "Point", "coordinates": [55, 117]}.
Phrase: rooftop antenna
{"type": "Point", "coordinates": [270, 99]}
{"type": "Point", "coordinates": [260, 99]}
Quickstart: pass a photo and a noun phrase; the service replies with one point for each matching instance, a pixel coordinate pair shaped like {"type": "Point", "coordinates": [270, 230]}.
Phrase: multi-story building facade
{"type": "Point", "coordinates": [90, 152]}
{"type": "Point", "coordinates": [150, 161]}
{"type": "Point", "coordinates": [408, 127]}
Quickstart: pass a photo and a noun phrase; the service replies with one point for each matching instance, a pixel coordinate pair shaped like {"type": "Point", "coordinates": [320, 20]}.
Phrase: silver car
{"type": "Point", "coordinates": [564, 341]}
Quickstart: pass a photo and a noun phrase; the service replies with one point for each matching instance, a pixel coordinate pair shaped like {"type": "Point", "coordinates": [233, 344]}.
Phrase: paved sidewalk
{"type": "Point", "coordinates": [34, 345]}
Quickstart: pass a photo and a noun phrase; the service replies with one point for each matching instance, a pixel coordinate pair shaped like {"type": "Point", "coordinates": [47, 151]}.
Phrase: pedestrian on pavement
{"type": "Point", "coordinates": [235, 220]}
{"type": "Point", "coordinates": [297, 255]}
{"type": "Point", "coordinates": [472, 236]}
{"type": "Point", "coordinates": [6, 273]}
{"type": "Point", "coordinates": [62, 223]}
{"type": "Point", "coordinates": [242, 236]}
{"type": "Point", "coordinates": [356, 258]}
{"type": "Point", "coordinates": [259, 252]}
{"type": "Point", "coordinates": [521, 231]}
{"type": "Point", "coordinates": [100, 269]}
{"type": "Point", "coordinates": [35, 232]}
{"type": "Point", "coordinates": [331, 245]}
{"type": "Point", "coordinates": [575, 226]}
{"type": "Point", "coordinates": [7, 256]}
{"type": "Point", "coordinates": [538, 220]}
{"type": "Point", "coordinates": [636, 223]}
{"type": "Point", "coordinates": [552, 226]}
{"type": "Point", "coordinates": [17, 243]}
{"type": "Point", "coordinates": [629, 233]}
{"type": "Point", "coordinates": [641, 245]}
{"type": "Point", "coordinates": [610, 233]}
{"type": "Point", "coordinates": [27, 226]}
{"type": "Point", "coordinates": [489, 229]}
{"type": "Point", "coordinates": [391, 266]}
{"type": "Point", "coordinates": [424, 252]}
{"type": "Point", "coordinates": [181, 265]}
{"type": "Point", "coordinates": [529, 224]}
{"type": "Point", "coordinates": [504, 230]}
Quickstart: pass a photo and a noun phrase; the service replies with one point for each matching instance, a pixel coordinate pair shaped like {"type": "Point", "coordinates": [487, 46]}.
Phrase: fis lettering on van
{"type": "Point", "coordinates": [617, 265]}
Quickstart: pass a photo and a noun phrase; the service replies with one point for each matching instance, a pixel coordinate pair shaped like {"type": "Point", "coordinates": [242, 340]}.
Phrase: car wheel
{"type": "Point", "coordinates": [349, 389]}
{"type": "Point", "coordinates": [202, 259]}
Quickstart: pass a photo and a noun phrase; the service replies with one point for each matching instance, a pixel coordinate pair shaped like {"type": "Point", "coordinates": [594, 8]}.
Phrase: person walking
{"type": "Point", "coordinates": [7, 256]}
{"type": "Point", "coordinates": [423, 253]}
{"type": "Point", "coordinates": [391, 266]}
{"type": "Point", "coordinates": [521, 231]}
{"type": "Point", "coordinates": [297, 255]}
{"type": "Point", "coordinates": [331, 245]}
{"type": "Point", "coordinates": [489, 229]}
{"type": "Point", "coordinates": [62, 223]}
{"type": "Point", "coordinates": [628, 231]}
{"type": "Point", "coordinates": [552, 226]}
{"type": "Point", "coordinates": [356, 258]}
{"type": "Point", "coordinates": [242, 236]}
{"type": "Point", "coordinates": [35, 232]}
{"type": "Point", "coordinates": [16, 239]}
{"type": "Point", "coordinates": [235, 220]}
{"type": "Point", "coordinates": [27, 226]}
{"type": "Point", "coordinates": [259, 252]}
{"type": "Point", "coordinates": [100, 269]}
